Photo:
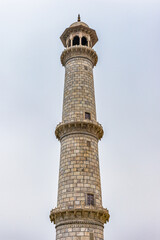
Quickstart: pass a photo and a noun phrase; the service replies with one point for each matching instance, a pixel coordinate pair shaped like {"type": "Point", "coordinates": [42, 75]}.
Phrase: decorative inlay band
{"type": "Point", "coordinates": [92, 128]}
{"type": "Point", "coordinates": [86, 214]}
{"type": "Point", "coordinates": [79, 51]}
{"type": "Point", "coordinates": [79, 223]}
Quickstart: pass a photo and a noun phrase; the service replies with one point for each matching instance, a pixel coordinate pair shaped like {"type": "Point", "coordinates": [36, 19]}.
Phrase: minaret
{"type": "Point", "coordinates": [79, 214]}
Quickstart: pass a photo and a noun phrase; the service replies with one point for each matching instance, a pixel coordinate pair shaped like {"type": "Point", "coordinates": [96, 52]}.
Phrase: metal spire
{"type": "Point", "coordinates": [79, 18]}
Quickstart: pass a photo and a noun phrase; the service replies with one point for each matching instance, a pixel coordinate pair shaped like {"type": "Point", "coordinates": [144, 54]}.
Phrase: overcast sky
{"type": "Point", "coordinates": [127, 86]}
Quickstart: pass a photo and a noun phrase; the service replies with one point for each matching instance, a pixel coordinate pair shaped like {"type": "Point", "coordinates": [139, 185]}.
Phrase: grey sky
{"type": "Point", "coordinates": [127, 89]}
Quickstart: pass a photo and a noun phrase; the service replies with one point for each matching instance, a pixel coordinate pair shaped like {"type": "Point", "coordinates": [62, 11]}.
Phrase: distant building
{"type": "Point", "coordinates": [79, 214]}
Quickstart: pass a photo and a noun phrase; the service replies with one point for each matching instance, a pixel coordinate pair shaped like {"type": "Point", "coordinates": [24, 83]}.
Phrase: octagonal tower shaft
{"type": "Point", "coordinates": [78, 90]}
{"type": "Point", "coordinates": [79, 213]}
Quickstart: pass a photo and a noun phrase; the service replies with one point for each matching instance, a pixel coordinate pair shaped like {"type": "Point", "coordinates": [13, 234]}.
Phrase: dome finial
{"type": "Point", "coordinates": [79, 18]}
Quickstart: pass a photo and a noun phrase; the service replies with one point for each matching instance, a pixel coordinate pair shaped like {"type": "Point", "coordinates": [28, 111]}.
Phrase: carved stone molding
{"type": "Point", "coordinates": [80, 127]}
{"type": "Point", "coordinates": [79, 51]}
{"type": "Point", "coordinates": [87, 215]}
{"type": "Point", "coordinates": [79, 223]}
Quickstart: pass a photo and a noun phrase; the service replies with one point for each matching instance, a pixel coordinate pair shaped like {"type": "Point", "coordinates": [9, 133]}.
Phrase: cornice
{"type": "Point", "coordinates": [80, 127]}
{"type": "Point", "coordinates": [80, 215]}
{"type": "Point", "coordinates": [79, 51]}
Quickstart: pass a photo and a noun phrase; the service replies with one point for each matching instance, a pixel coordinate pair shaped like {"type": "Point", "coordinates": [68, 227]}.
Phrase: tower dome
{"type": "Point", "coordinates": [79, 23]}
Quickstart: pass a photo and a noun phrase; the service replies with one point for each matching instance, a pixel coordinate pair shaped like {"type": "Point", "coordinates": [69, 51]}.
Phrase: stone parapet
{"type": "Point", "coordinates": [79, 51]}
{"type": "Point", "coordinates": [85, 127]}
{"type": "Point", "coordinates": [82, 215]}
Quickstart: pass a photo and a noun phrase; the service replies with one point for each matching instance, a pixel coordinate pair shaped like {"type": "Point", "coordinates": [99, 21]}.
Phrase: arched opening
{"type": "Point", "coordinates": [84, 41]}
{"type": "Point", "coordinates": [75, 40]}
